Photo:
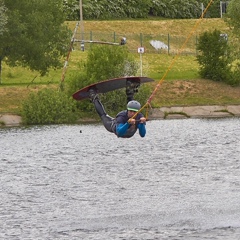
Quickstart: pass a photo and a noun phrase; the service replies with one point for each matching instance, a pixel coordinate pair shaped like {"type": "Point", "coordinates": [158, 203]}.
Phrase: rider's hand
{"type": "Point", "coordinates": [142, 120]}
{"type": "Point", "coordinates": [132, 121]}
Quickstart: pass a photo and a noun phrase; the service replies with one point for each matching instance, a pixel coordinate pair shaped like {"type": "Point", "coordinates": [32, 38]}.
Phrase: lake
{"type": "Point", "coordinates": [182, 181]}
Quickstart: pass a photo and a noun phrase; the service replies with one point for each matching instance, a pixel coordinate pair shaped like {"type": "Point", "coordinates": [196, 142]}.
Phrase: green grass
{"type": "Point", "coordinates": [154, 66]}
{"type": "Point", "coordinates": [172, 67]}
{"type": "Point", "coordinates": [12, 76]}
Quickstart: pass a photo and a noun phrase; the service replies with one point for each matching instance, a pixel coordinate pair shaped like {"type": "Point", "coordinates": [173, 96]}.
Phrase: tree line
{"type": "Point", "coordinates": [120, 9]}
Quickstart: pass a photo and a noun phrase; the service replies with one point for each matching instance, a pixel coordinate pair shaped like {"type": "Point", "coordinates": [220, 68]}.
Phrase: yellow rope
{"type": "Point", "coordinates": [174, 59]}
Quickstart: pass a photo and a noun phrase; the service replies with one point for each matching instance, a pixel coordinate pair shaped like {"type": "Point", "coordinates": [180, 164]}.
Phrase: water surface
{"type": "Point", "coordinates": [81, 182]}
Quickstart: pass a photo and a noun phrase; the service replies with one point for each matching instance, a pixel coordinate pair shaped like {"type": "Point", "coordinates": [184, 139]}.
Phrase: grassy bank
{"type": "Point", "coordinates": [181, 86]}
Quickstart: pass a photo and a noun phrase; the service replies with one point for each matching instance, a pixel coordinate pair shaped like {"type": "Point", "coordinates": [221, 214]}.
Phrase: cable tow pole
{"type": "Point", "coordinates": [148, 103]}
{"type": "Point", "coordinates": [69, 52]}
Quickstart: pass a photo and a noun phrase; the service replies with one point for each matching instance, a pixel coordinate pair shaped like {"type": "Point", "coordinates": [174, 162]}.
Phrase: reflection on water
{"type": "Point", "coordinates": [81, 182]}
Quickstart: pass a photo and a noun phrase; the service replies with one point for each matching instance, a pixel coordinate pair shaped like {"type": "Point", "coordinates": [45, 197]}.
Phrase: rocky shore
{"type": "Point", "coordinates": [9, 120]}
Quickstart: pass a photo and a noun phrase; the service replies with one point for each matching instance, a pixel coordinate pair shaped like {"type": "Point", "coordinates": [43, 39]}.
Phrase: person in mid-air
{"type": "Point", "coordinates": [123, 125]}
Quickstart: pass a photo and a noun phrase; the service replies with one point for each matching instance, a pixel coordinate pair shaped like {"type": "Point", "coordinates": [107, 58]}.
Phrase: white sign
{"type": "Point", "coordinates": [141, 50]}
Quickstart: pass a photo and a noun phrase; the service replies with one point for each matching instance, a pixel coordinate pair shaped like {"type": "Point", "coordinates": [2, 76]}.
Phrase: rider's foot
{"type": "Point", "coordinates": [93, 95]}
{"type": "Point", "coordinates": [131, 88]}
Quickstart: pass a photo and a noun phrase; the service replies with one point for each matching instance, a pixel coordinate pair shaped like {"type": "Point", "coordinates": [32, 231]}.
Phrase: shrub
{"type": "Point", "coordinates": [214, 56]}
{"type": "Point", "coordinates": [107, 61]}
{"type": "Point", "coordinates": [234, 79]}
{"type": "Point", "coordinates": [75, 82]}
{"type": "Point", "coordinates": [48, 106]}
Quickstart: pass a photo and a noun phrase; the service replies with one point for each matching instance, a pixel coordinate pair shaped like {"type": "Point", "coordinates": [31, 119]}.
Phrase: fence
{"type": "Point", "coordinates": [160, 43]}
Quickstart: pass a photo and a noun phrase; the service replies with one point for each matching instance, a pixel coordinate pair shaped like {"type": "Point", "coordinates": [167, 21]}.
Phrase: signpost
{"type": "Point", "coordinates": [81, 24]}
{"type": "Point", "coordinates": [141, 51]}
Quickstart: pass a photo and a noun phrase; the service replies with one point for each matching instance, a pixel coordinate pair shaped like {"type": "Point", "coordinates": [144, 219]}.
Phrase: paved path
{"type": "Point", "coordinates": [195, 112]}
{"type": "Point", "coordinates": [160, 113]}
{"type": "Point", "coordinates": [10, 120]}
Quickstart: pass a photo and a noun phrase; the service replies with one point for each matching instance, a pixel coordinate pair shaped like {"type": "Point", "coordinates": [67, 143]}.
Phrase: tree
{"type": "Point", "coordinates": [71, 9]}
{"type": "Point", "coordinates": [233, 19]}
{"type": "Point", "coordinates": [214, 9]}
{"type": "Point", "coordinates": [107, 61]}
{"type": "Point", "coordinates": [112, 9]}
{"type": "Point", "coordinates": [233, 16]}
{"type": "Point", "coordinates": [115, 9]}
{"type": "Point", "coordinates": [35, 36]}
{"type": "Point", "coordinates": [176, 8]}
{"type": "Point", "coordinates": [3, 17]}
{"type": "Point", "coordinates": [214, 56]}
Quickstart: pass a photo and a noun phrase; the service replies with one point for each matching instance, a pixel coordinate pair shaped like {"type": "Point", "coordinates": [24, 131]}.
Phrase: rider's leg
{"type": "Point", "coordinates": [106, 119]}
{"type": "Point", "coordinates": [131, 89]}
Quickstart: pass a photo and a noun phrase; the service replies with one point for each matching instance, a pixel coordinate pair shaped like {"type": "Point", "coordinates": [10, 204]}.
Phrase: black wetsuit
{"type": "Point", "coordinates": [120, 125]}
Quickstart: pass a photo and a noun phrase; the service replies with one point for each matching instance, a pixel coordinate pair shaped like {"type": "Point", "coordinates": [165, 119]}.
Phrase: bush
{"type": "Point", "coordinates": [214, 56]}
{"type": "Point", "coordinates": [48, 106]}
{"type": "Point", "coordinates": [234, 79]}
{"type": "Point", "coordinates": [75, 82]}
{"type": "Point", "coordinates": [107, 61]}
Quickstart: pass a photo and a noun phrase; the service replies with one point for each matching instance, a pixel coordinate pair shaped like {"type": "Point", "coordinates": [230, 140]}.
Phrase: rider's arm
{"type": "Point", "coordinates": [121, 129]}
{"type": "Point", "coordinates": [142, 129]}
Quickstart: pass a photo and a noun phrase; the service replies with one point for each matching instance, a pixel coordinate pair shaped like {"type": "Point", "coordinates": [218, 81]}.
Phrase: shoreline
{"type": "Point", "coordinates": [220, 111]}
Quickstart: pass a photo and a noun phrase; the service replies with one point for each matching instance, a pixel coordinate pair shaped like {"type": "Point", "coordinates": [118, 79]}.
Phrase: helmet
{"type": "Point", "coordinates": [133, 106]}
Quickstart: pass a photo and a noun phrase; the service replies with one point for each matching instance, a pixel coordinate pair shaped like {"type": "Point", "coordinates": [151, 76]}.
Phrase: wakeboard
{"type": "Point", "coordinates": [109, 85]}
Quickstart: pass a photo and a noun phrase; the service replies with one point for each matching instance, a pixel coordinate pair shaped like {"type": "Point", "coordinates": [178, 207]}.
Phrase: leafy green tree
{"type": "Point", "coordinates": [3, 17]}
{"type": "Point", "coordinates": [233, 19]}
{"type": "Point", "coordinates": [36, 36]}
{"type": "Point", "coordinates": [115, 9]}
{"type": "Point", "coordinates": [112, 9]}
{"type": "Point", "coordinates": [233, 16]}
{"type": "Point", "coordinates": [107, 61]}
{"type": "Point", "coordinates": [184, 9]}
{"type": "Point", "coordinates": [71, 9]}
{"type": "Point", "coordinates": [176, 8]}
{"type": "Point", "coordinates": [214, 56]}
{"type": "Point", "coordinates": [137, 9]}
{"type": "Point", "coordinates": [214, 9]}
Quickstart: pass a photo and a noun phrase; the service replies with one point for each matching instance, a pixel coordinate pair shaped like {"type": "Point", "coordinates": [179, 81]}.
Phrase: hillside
{"type": "Point", "coordinates": [178, 27]}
